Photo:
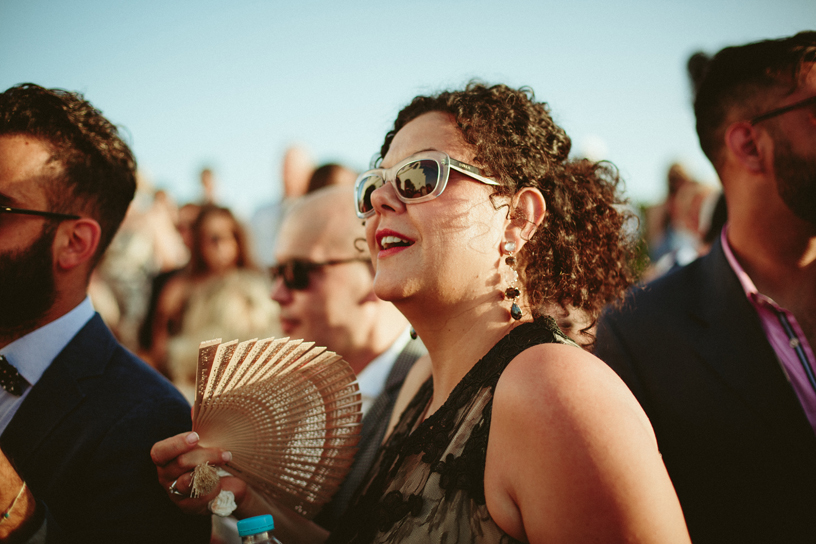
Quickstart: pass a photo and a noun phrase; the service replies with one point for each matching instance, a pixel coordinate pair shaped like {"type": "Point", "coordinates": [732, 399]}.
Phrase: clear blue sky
{"type": "Point", "coordinates": [231, 85]}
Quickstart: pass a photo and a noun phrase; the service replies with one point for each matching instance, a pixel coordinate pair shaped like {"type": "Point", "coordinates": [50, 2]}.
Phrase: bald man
{"type": "Point", "coordinates": [300, 176]}
{"type": "Point", "coordinates": [325, 288]}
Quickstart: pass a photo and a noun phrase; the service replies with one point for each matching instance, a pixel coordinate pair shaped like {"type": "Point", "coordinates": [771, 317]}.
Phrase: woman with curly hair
{"type": "Point", "coordinates": [476, 221]}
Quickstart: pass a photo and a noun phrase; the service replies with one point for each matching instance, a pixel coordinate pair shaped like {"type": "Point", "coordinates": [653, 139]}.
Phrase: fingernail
{"type": "Point", "coordinates": [226, 457]}
{"type": "Point", "coordinates": [191, 438]}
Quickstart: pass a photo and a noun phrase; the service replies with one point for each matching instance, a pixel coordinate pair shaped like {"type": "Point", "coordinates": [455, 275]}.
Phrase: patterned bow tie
{"type": "Point", "coordinates": [10, 379]}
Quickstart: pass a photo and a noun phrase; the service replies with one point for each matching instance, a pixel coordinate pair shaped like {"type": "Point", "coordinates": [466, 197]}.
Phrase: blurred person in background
{"type": "Point", "coordinates": [78, 412]}
{"type": "Point", "coordinates": [185, 218]}
{"type": "Point", "coordinates": [331, 174]}
{"type": "Point", "coordinates": [325, 288]}
{"type": "Point", "coordinates": [692, 209]}
{"type": "Point", "coordinates": [720, 352]}
{"type": "Point", "coordinates": [661, 219]}
{"type": "Point", "coordinates": [209, 187]}
{"type": "Point", "coordinates": [145, 245]}
{"type": "Point", "coordinates": [220, 247]}
{"type": "Point", "coordinates": [323, 283]}
{"type": "Point", "coordinates": [297, 170]}
{"type": "Point", "coordinates": [233, 306]}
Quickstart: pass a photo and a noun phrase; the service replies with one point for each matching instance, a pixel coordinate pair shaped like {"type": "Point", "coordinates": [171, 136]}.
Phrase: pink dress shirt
{"type": "Point", "coordinates": [785, 336]}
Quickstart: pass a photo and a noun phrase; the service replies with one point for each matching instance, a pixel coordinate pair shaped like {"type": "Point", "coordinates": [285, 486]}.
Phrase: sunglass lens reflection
{"type": "Point", "coordinates": [418, 178]}
{"type": "Point", "coordinates": [368, 186]}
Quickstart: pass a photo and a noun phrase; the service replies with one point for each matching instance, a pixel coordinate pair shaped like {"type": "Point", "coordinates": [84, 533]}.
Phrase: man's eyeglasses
{"type": "Point", "coordinates": [51, 215]}
{"type": "Point", "coordinates": [784, 109]}
{"type": "Point", "coordinates": [295, 273]}
{"type": "Point", "coordinates": [418, 178]}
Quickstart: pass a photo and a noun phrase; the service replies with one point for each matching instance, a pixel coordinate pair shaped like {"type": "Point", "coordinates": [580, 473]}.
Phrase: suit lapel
{"type": "Point", "coordinates": [384, 402]}
{"type": "Point", "coordinates": [59, 390]}
{"type": "Point", "coordinates": [732, 341]}
{"type": "Point", "coordinates": [375, 422]}
{"type": "Point", "coordinates": [372, 433]}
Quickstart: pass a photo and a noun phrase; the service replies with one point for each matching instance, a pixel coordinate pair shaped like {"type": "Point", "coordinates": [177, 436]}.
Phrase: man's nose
{"type": "Point", "coordinates": [280, 293]}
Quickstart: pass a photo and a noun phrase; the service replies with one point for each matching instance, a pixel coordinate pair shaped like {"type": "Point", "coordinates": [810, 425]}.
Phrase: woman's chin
{"type": "Point", "coordinates": [392, 289]}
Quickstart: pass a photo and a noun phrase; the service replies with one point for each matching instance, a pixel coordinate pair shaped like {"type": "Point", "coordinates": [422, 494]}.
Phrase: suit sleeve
{"type": "Point", "coordinates": [139, 510]}
{"type": "Point", "coordinates": [116, 492]}
{"type": "Point", "coordinates": [613, 348]}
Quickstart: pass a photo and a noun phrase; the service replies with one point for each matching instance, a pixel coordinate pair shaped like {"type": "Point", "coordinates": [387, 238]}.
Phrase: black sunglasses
{"type": "Point", "coordinates": [51, 215]}
{"type": "Point", "coordinates": [295, 273]}
{"type": "Point", "coordinates": [784, 109]}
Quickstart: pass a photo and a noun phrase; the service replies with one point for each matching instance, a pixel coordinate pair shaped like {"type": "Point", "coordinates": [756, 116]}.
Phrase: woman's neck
{"type": "Point", "coordinates": [456, 338]}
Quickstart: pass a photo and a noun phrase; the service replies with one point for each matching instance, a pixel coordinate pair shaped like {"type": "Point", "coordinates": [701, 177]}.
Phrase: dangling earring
{"type": "Point", "coordinates": [512, 292]}
{"type": "Point", "coordinates": [413, 334]}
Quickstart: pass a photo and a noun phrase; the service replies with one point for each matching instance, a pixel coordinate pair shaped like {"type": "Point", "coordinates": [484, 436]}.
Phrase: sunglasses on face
{"type": "Point", "coordinates": [295, 273]}
{"type": "Point", "coordinates": [784, 109]}
{"type": "Point", "coordinates": [418, 178]}
{"type": "Point", "coordinates": [50, 215]}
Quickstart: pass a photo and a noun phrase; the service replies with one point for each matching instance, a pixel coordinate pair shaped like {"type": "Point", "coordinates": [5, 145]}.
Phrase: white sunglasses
{"type": "Point", "coordinates": [418, 178]}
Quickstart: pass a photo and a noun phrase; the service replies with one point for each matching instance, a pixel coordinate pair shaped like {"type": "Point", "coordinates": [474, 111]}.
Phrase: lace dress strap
{"type": "Point", "coordinates": [427, 484]}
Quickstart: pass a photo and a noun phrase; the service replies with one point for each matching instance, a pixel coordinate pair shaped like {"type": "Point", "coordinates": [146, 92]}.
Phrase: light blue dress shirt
{"type": "Point", "coordinates": [33, 353]}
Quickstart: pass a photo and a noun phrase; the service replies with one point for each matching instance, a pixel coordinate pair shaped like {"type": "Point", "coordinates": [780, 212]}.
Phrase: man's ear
{"type": "Point", "coordinates": [76, 242]}
{"type": "Point", "coordinates": [741, 140]}
{"type": "Point", "coordinates": [528, 211]}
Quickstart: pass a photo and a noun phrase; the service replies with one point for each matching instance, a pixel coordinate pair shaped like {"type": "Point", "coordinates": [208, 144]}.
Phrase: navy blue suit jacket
{"type": "Point", "coordinates": [735, 440]}
{"type": "Point", "coordinates": [82, 439]}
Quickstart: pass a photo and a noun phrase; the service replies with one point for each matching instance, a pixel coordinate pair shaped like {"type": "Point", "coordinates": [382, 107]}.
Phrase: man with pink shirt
{"type": "Point", "coordinates": [720, 353]}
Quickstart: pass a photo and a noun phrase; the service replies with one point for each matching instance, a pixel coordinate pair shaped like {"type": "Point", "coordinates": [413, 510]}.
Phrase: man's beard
{"type": "Point", "coordinates": [795, 179]}
{"type": "Point", "coordinates": [27, 289]}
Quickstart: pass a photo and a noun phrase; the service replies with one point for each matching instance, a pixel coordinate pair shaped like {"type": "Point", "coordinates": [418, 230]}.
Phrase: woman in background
{"type": "Point", "coordinates": [219, 246]}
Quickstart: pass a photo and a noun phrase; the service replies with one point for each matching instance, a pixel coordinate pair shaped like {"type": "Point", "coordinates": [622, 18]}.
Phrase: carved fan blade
{"type": "Point", "coordinates": [288, 411]}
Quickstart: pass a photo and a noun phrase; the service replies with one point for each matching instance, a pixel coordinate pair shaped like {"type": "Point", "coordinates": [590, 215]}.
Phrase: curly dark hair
{"type": "Point", "coordinates": [734, 84]}
{"type": "Point", "coordinates": [98, 174]}
{"type": "Point", "coordinates": [581, 255]}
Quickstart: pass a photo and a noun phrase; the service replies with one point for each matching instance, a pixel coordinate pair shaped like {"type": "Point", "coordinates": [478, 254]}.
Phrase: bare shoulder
{"type": "Point", "coordinates": [572, 457]}
{"type": "Point", "coordinates": [567, 383]}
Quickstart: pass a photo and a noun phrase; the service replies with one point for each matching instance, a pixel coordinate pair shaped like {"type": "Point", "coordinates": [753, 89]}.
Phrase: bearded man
{"type": "Point", "coordinates": [78, 413]}
{"type": "Point", "coordinates": [720, 353]}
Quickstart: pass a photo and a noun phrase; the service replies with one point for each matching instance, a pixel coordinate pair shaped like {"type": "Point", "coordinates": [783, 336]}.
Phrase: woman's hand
{"type": "Point", "coordinates": [177, 456]}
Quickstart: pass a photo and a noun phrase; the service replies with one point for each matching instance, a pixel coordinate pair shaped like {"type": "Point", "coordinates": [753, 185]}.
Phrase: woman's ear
{"type": "Point", "coordinates": [76, 243]}
{"type": "Point", "coordinates": [528, 211]}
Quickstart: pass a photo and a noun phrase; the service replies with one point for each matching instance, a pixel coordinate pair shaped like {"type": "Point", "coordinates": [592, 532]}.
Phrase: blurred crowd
{"type": "Point", "coordinates": [663, 377]}
{"type": "Point", "coordinates": [180, 273]}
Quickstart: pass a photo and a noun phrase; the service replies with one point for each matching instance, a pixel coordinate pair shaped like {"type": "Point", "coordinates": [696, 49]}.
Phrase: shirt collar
{"type": "Point", "coordinates": [372, 379]}
{"type": "Point", "coordinates": [33, 353]}
{"type": "Point", "coordinates": [751, 291]}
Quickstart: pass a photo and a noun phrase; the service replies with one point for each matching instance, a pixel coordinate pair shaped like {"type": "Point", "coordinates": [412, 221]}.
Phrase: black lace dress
{"type": "Point", "coordinates": [427, 484]}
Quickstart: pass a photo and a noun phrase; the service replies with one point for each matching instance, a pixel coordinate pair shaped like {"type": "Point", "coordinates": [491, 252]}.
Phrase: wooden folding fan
{"type": "Point", "coordinates": [289, 413]}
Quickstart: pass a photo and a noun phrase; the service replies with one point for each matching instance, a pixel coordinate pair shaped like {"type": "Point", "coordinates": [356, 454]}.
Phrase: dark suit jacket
{"type": "Point", "coordinates": [372, 433]}
{"type": "Point", "coordinates": [82, 439]}
{"type": "Point", "coordinates": [736, 442]}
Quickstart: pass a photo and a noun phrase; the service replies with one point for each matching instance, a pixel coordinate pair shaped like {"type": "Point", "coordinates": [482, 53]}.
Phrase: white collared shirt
{"type": "Point", "coordinates": [33, 353]}
{"type": "Point", "coordinates": [373, 377]}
